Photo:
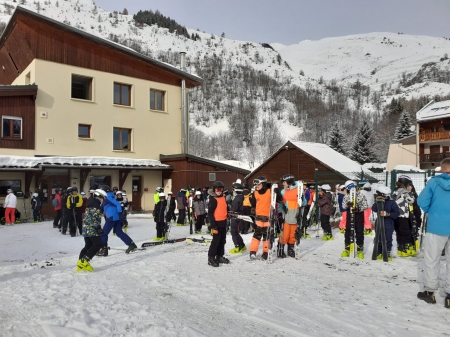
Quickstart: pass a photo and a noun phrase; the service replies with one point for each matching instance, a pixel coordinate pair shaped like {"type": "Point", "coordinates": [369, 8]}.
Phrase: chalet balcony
{"type": "Point", "coordinates": [433, 157]}
{"type": "Point", "coordinates": [434, 136]}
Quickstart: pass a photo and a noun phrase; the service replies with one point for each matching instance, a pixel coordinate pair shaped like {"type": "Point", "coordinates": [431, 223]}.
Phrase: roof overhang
{"type": "Point", "coordinates": [18, 90]}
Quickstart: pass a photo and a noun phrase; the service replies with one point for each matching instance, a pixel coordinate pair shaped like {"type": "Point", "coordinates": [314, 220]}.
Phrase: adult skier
{"type": "Point", "coordinates": [36, 207]}
{"type": "Point", "coordinates": [367, 191]}
{"type": "Point", "coordinates": [199, 206]}
{"type": "Point", "coordinates": [74, 202]}
{"type": "Point", "coordinates": [218, 214]}
{"type": "Point", "coordinates": [404, 197]}
{"type": "Point", "coordinates": [170, 208]}
{"type": "Point", "coordinates": [357, 209]}
{"type": "Point", "coordinates": [159, 213]}
{"type": "Point", "coordinates": [182, 206]}
{"type": "Point", "coordinates": [390, 213]}
{"type": "Point", "coordinates": [237, 206]}
{"type": "Point", "coordinates": [326, 207]}
{"type": "Point", "coordinates": [10, 207]}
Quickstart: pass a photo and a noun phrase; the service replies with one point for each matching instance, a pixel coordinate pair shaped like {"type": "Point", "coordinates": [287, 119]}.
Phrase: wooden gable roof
{"type": "Point", "coordinates": [30, 36]}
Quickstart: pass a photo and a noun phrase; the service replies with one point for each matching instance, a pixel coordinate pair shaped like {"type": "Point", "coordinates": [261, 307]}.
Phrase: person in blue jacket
{"type": "Point", "coordinates": [390, 213]}
{"type": "Point", "coordinates": [435, 200]}
{"type": "Point", "coordinates": [114, 218]}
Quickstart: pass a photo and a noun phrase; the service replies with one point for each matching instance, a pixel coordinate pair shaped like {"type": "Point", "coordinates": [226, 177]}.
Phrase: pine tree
{"type": "Point", "coordinates": [337, 139]}
{"type": "Point", "coordinates": [363, 150]}
{"type": "Point", "coordinates": [403, 128]}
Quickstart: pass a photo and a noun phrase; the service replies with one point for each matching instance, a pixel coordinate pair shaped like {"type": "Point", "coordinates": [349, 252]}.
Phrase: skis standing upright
{"type": "Point", "coordinates": [299, 219]}
{"type": "Point", "coordinates": [380, 233]}
{"type": "Point", "coordinates": [352, 222]}
{"type": "Point", "coordinates": [414, 231]}
{"type": "Point", "coordinates": [423, 230]}
{"type": "Point", "coordinates": [273, 219]}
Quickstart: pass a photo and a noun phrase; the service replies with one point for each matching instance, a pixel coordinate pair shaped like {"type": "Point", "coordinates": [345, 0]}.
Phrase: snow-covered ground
{"type": "Point", "coordinates": [171, 291]}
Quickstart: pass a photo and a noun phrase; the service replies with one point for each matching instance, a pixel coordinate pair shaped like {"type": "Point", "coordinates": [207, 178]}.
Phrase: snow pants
{"type": "Point", "coordinates": [367, 223]}
{"type": "Point", "coordinates": [171, 215]}
{"type": "Point", "coordinates": [57, 218]}
{"type": "Point", "coordinates": [325, 222]}
{"type": "Point", "coordinates": [288, 235]}
{"type": "Point", "coordinates": [403, 231]}
{"type": "Point", "coordinates": [181, 216]}
{"type": "Point", "coordinates": [117, 225]}
{"type": "Point", "coordinates": [92, 245]}
{"type": "Point", "coordinates": [160, 229]}
{"type": "Point", "coordinates": [343, 223]}
{"type": "Point", "coordinates": [234, 230]}
{"type": "Point", "coordinates": [217, 246]}
{"type": "Point", "coordinates": [434, 244]}
{"type": "Point", "coordinates": [359, 229]}
{"type": "Point", "coordinates": [246, 210]}
{"type": "Point", "coordinates": [9, 215]}
{"type": "Point", "coordinates": [261, 231]}
{"type": "Point", "coordinates": [199, 222]}
{"type": "Point", "coordinates": [389, 230]}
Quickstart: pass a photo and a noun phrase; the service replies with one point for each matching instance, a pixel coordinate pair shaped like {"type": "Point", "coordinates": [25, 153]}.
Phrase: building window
{"type": "Point", "coordinates": [122, 94]}
{"type": "Point", "coordinates": [157, 100]}
{"type": "Point", "coordinates": [122, 139]}
{"type": "Point", "coordinates": [81, 87]}
{"type": "Point", "coordinates": [15, 185]}
{"type": "Point", "coordinates": [96, 181]}
{"type": "Point", "coordinates": [84, 131]}
{"type": "Point", "coordinates": [212, 177]}
{"type": "Point", "coordinates": [11, 127]}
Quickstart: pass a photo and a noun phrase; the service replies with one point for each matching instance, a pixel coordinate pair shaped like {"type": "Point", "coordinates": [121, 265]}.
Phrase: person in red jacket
{"type": "Point", "coordinates": [57, 205]}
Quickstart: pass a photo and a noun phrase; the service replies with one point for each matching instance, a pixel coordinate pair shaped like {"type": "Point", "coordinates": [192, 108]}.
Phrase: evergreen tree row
{"type": "Point", "coordinates": [156, 18]}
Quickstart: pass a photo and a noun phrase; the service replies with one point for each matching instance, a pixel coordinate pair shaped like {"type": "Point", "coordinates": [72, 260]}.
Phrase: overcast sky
{"type": "Point", "coordinates": [291, 21]}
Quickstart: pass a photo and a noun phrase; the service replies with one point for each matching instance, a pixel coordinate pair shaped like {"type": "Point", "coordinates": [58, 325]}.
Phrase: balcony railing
{"type": "Point", "coordinates": [431, 136]}
{"type": "Point", "coordinates": [433, 157]}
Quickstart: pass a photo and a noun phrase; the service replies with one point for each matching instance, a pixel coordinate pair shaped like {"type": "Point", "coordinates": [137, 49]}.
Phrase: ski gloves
{"type": "Point", "coordinates": [214, 231]}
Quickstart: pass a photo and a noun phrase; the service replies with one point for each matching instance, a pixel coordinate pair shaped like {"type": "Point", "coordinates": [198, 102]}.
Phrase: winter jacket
{"type": "Point", "coordinates": [246, 195]}
{"type": "Point", "coordinates": [217, 210]}
{"type": "Point", "coordinates": [74, 201]}
{"type": "Point", "coordinates": [156, 197]}
{"type": "Point", "coordinates": [290, 199]}
{"type": "Point", "coordinates": [325, 203]}
{"type": "Point", "coordinates": [311, 197]}
{"type": "Point", "coordinates": [58, 198]}
{"type": "Point", "coordinates": [10, 201]}
{"type": "Point", "coordinates": [361, 202]}
{"type": "Point", "coordinates": [341, 196]}
{"type": "Point", "coordinates": [369, 196]}
{"type": "Point", "coordinates": [84, 205]}
{"type": "Point", "coordinates": [35, 203]}
{"type": "Point", "coordinates": [199, 206]}
{"type": "Point", "coordinates": [111, 208]}
{"type": "Point", "coordinates": [403, 198]}
{"type": "Point", "coordinates": [237, 204]}
{"type": "Point", "coordinates": [181, 201]}
{"type": "Point", "coordinates": [435, 200]}
{"type": "Point", "coordinates": [123, 203]}
{"type": "Point", "coordinates": [171, 203]}
{"type": "Point", "coordinates": [92, 218]}
{"type": "Point", "coordinates": [160, 211]}
{"type": "Point", "coordinates": [391, 207]}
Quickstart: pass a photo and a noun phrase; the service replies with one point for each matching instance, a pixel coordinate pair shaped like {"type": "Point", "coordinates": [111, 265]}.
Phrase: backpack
{"type": "Point", "coordinates": [55, 202]}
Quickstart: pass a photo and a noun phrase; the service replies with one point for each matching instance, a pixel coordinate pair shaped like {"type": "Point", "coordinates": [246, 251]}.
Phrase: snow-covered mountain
{"type": "Point", "coordinates": [279, 86]}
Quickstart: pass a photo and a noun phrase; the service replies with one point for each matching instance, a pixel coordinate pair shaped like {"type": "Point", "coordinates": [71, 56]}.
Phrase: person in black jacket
{"type": "Point", "coordinates": [36, 207]}
{"type": "Point", "coordinates": [236, 224]}
{"type": "Point", "coordinates": [159, 213]}
{"type": "Point", "coordinates": [171, 208]}
{"type": "Point", "coordinates": [199, 206]}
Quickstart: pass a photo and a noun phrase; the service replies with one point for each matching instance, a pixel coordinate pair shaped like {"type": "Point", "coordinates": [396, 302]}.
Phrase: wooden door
{"type": "Point", "coordinates": [445, 149]}
{"type": "Point", "coordinates": [136, 194]}
{"type": "Point", "coordinates": [435, 149]}
{"type": "Point", "coordinates": [47, 192]}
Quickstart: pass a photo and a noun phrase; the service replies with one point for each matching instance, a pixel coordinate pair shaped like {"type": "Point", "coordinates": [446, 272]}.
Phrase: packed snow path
{"type": "Point", "coordinates": [171, 291]}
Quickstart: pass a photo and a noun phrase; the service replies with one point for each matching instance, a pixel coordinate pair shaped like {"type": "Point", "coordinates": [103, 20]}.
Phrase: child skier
{"type": "Point", "coordinates": [218, 214]}
{"type": "Point", "coordinates": [358, 214]}
{"type": "Point", "coordinates": [367, 191]}
{"type": "Point", "coordinates": [182, 206]}
{"type": "Point", "coordinates": [404, 198]}
{"type": "Point", "coordinates": [36, 207]}
{"type": "Point", "coordinates": [391, 212]}
{"type": "Point", "coordinates": [326, 207]}
{"type": "Point", "coordinates": [159, 214]}
{"type": "Point", "coordinates": [341, 194]}
{"type": "Point", "coordinates": [171, 208]}
{"type": "Point", "coordinates": [91, 231]}
{"type": "Point", "coordinates": [199, 206]}
{"type": "Point", "coordinates": [237, 206]}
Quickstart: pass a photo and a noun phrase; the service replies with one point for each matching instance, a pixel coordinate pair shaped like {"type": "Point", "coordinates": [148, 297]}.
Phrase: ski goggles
{"type": "Point", "coordinates": [219, 189]}
{"type": "Point", "coordinates": [259, 181]}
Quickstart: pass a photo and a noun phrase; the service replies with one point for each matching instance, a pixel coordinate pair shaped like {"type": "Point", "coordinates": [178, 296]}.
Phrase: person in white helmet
{"type": "Point", "coordinates": [36, 207]}
{"type": "Point", "coordinates": [159, 213]}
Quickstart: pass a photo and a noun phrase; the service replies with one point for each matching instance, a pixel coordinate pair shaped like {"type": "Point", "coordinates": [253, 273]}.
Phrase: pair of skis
{"type": "Point", "coordinates": [299, 219]}
{"type": "Point", "coordinates": [380, 233]}
{"type": "Point", "coordinates": [352, 222]}
{"type": "Point", "coordinates": [273, 218]}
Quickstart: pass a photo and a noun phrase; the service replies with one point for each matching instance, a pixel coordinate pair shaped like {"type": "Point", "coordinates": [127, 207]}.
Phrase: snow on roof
{"type": "Point", "coordinates": [409, 168]}
{"type": "Point", "coordinates": [375, 166]}
{"type": "Point", "coordinates": [434, 110]}
{"type": "Point", "coordinates": [330, 157]}
{"type": "Point", "coordinates": [36, 162]}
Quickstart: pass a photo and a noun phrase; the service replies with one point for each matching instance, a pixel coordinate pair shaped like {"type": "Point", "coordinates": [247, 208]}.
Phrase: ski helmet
{"type": "Point", "coordinates": [384, 191]}
{"type": "Point", "coordinates": [405, 180]}
{"type": "Point", "coordinates": [69, 189]}
{"type": "Point", "coordinates": [259, 180]}
{"type": "Point", "coordinates": [349, 184]}
{"type": "Point", "coordinates": [35, 195]}
{"type": "Point", "coordinates": [237, 187]}
{"type": "Point", "coordinates": [119, 192]}
{"type": "Point", "coordinates": [170, 193]}
{"type": "Point", "coordinates": [326, 187]}
{"type": "Point", "coordinates": [288, 178]}
{"type": "Point", "coordinates": [74, 189]}
{"type": "Point", "coordinates": [83, 193]}
{"type": "Point", "coordinates": [245, 186]}
{"type": "Point", "coordinates": [161, 195]}
{"type": "Point", "coordinates": [218, 184]}
{"type": "Point", "coordinates": [100, 193]}
{"type": "Point", "coordinates": [367, 187]}
{"type": "Point", "coordinates": [115, 188]}
{"type": "Point", "coordinates": [91, 191]}
{"type": "Point", "coordinates": [198, 193]}
{"type": "Point", "coordinates": [105, 188]}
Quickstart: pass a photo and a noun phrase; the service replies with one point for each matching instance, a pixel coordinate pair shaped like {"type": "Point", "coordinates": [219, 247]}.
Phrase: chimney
{"type": "Point", "coordinates": [183, 60]}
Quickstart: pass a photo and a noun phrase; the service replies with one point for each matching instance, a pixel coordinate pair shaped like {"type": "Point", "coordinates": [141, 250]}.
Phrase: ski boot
{"type": "Point", "coordinates": [280, 251]}
{"type": "Point", "coordinates": [368, 231]}
{"type": "Point", "coordinates": [243, 248]}
{"type": "Point", "coordinates": [402, 251]}
{"type": "Point", "coordinates": [291, 251]}
{"type": "Point", "coordinates": [198, 232]}
{"type": "Point", "coordinates": [447, 301]}
{"type": "Point", "coordinates": [411, 249]}
{"type": "Point", "coordinates": [252, 255]}
{"type": "Point", "coordinates": [380, 256]}
{"type": "Point", "coordinates": [360, 252]}
{"type": "Point", "coordinates": [103, 251]}
{"type": "Point", "coordinates": [131, 248]}
{"type": "Point", "coordinates": [346, 252]}
{"type": "Point", "coordinates": [428, 296]}
{"type": "Point", "coordinates": [84, 265]}
{"type": "Point", "coordinates": [236, 250]}
{"type": "Point", "coordinates": [224, 260]}
{"type": "Point", "coordinates": [327, 237]}
{"type": "Point", "coordinates": [212, 261]}
{"type": "Point", "coordinates": [342, 230]}
{"type": "Point", "coordinates": [265, 256]}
